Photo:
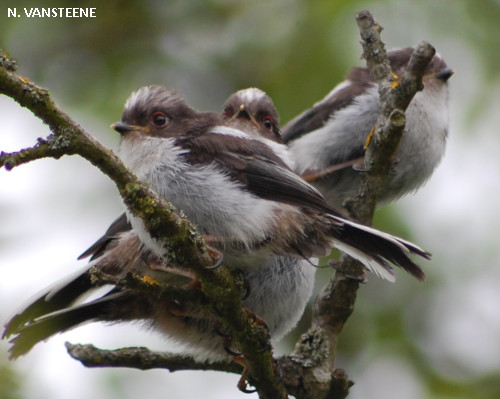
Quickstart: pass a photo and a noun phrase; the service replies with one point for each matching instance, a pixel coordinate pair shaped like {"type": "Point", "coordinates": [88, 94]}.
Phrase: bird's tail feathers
{"type": "Point", "coordinates": [377, 250]}
{"type": "Point", "coordinates": [57, 296]}
{"type": "Point", "coordinates": [60, 321]}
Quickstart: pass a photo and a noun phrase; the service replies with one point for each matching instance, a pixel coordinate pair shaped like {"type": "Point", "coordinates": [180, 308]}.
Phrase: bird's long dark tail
{"type": "Point", "coordinates": [44, 327]}
{"type": "Point", "coordinates": [377, 250]}
{"type": "Point", "coordinates": [56, 297]}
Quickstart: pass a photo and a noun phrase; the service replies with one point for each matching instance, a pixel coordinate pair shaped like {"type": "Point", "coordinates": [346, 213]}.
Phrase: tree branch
{"type": "Point", "coordinates": [315, 352]}
{"type": "Point", "coordinates": [143, 359]}
{"type": "Point", "coordinates": [395, 95]}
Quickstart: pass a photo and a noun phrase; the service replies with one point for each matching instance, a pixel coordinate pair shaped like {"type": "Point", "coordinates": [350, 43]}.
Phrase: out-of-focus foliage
{"type": "Point", "coordinates": [205, 49]}
{"type": "Point", "coordinates": [296, 50]}
{"type": "Point", "coordinates": [9, 382]}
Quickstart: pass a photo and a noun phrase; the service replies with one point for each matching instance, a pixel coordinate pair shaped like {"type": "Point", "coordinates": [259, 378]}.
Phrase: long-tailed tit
{"type": "Point", "coordinates": [328, 140]}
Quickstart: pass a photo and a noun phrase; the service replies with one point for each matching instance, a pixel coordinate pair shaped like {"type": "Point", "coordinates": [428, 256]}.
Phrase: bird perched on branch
{"type": "Point", "coordinates": [247, 203]}
{"type": "Point", "coordinates": [119, 251]}
{"type": "Point", "coordinates": [328, 141]}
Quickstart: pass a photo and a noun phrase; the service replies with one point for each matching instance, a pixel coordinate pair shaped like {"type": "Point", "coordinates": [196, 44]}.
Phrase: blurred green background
{"type": "Point", "coordinates": [439, 339]}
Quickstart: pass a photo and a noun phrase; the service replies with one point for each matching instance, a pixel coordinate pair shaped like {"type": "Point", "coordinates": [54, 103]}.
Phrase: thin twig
{"type": "Point", "coordinates": [143, 359]}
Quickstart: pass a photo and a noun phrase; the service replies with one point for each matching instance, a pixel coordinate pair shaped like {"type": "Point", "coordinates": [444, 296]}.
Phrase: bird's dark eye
{"type": "Point", "coordinates": [268, 122]}
{"type": "Point", "coordinates": [159, 119]}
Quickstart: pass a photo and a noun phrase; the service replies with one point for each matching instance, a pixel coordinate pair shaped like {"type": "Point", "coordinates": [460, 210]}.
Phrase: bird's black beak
{"type": "Point", "coordinates": [121, 127]}
{"type": "Point", "coordinates": [243, 113]}
{"type": "Point", "coordinates": [445, 74]}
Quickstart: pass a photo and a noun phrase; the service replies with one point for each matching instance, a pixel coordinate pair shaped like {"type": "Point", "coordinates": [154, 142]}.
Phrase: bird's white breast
{"type": "Point", "coordinates": [217, 205]}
